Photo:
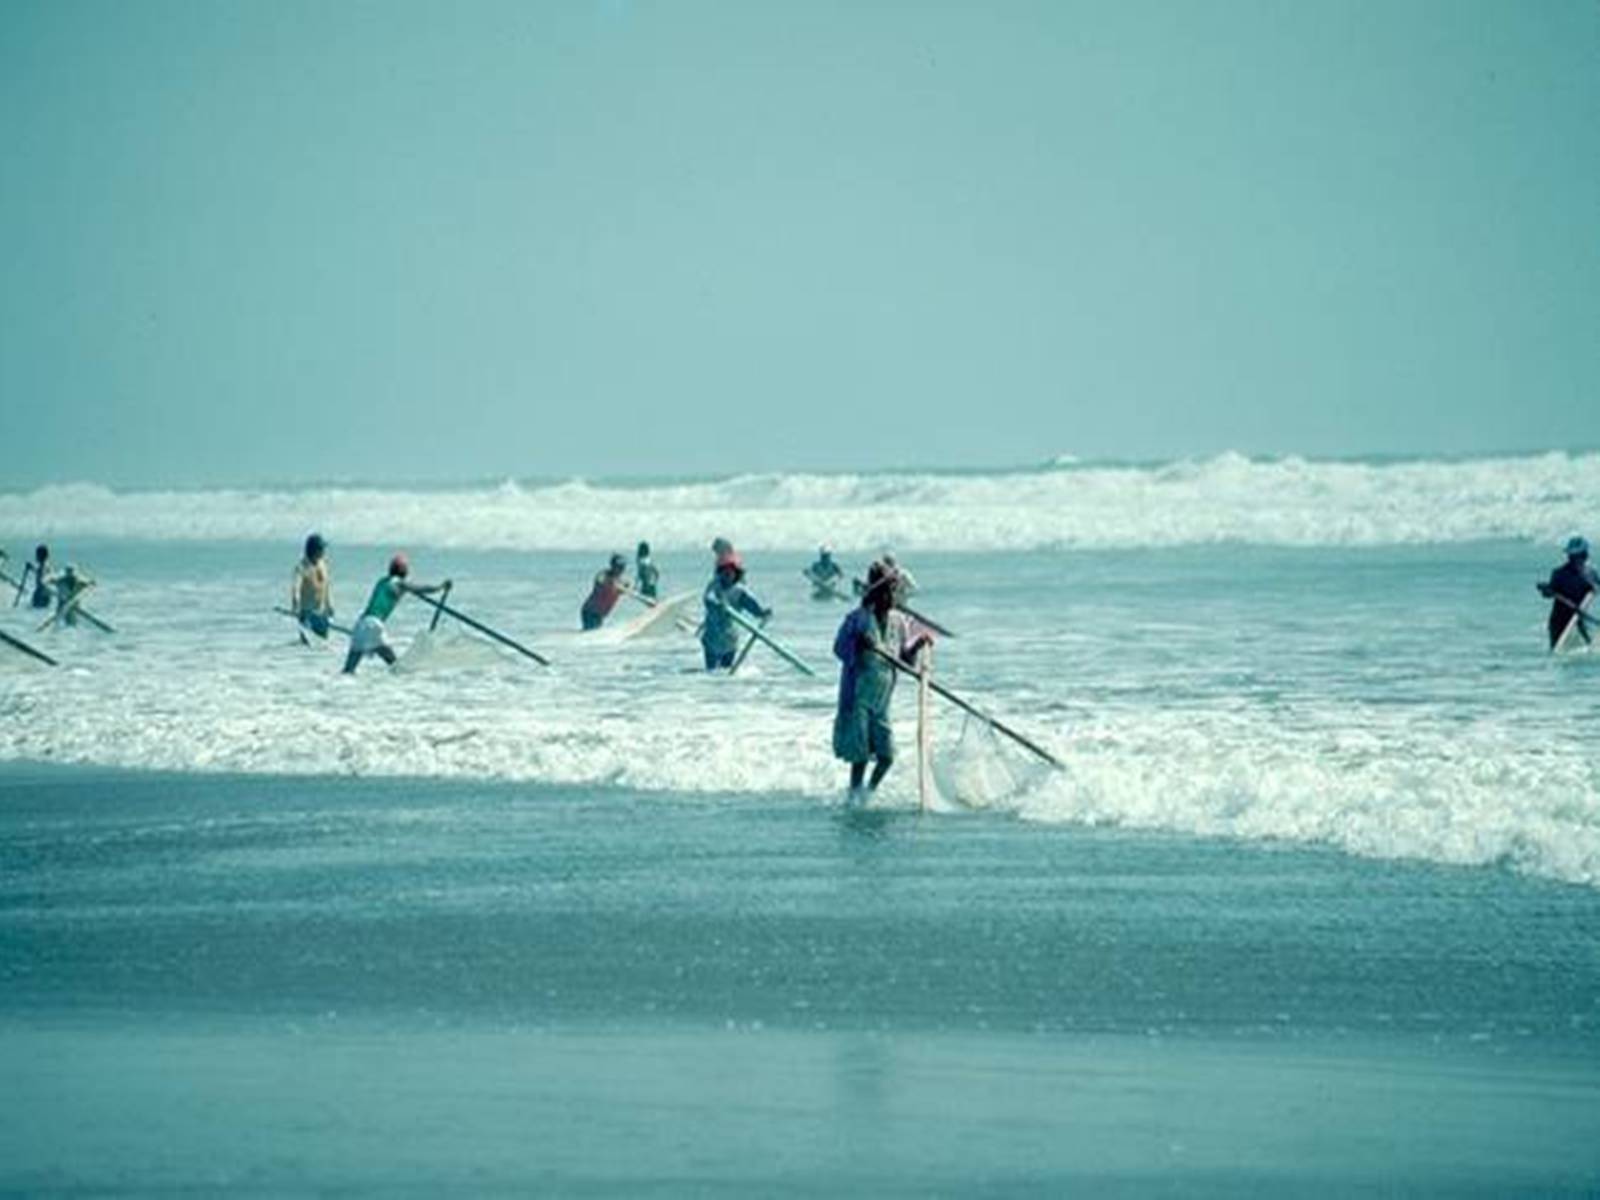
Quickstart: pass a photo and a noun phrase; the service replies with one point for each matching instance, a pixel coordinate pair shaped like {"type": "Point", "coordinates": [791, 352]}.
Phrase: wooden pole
{"type": "Point", "coordinates": [777, 647]}
{"type": "Point", "coordinates": [483, 629]}
{"type": "Point", "coordinates": [27, 649]}
{"type": "Point", "coordinates": [924, 726]}
{"type": "Point", "coordinates": [968, 707]}
{"type": "Point", "coordinates": [289, 612]}
{"type": "Point", "coordinates": [439, 612]}
{"type": "Point", "coordinates": [920, 618]}
{"type": "Point", "coordinates": [66, 610]}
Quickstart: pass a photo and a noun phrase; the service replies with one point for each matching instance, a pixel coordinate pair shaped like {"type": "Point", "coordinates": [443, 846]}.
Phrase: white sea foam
{"type": "Point", "coordinates": [1230, 498]}
{"type": "Point", "coordinates": [1295, 702]}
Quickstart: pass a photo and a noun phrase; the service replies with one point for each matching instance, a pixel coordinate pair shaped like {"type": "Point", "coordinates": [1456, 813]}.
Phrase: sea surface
{"type": "Point", "coordinates": [1312, 904]}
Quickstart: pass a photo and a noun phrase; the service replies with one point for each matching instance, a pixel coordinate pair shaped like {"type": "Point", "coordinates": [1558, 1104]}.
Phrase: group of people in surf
{"type": "Point", "coordinates": [871, 640]}
{"type": "Point", "coordinates": [64, 590]}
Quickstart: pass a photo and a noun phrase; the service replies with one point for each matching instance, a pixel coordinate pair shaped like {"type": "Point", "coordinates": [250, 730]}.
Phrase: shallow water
{"type": "Point", "coordinates": [396, 985]}
{"type": "Point", "coordinates": [1389, 701]}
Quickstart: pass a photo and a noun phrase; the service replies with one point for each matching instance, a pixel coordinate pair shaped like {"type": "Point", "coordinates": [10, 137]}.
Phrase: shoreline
{"type": "Point", "coordinates": [388, 987]}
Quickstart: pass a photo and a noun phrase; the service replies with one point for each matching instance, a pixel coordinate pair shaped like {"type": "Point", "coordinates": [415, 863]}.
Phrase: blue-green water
{"type": "Point", "coordinates": [1311, 906]}
{"type": "Point", "coordinates": [378, 986]}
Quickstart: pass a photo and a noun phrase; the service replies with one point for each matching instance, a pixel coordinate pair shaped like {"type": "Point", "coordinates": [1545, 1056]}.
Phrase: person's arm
{"type": "Point", "coordinates": [747, 601]}
{"type": "Point", "coordinates": [1548, 588]}
{"type": "Point", "coordinates": [424, 589]}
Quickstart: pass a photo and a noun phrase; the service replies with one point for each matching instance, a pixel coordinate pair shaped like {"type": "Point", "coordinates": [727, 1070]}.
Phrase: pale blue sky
{"type": "Point", "coordinates": [304, 241]}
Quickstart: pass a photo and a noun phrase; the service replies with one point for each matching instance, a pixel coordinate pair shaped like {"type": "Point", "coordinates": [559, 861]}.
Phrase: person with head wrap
{"type": "Point", "coordinates": [873, 633]}
{"type": "Point", "coordinates": [719, 635]}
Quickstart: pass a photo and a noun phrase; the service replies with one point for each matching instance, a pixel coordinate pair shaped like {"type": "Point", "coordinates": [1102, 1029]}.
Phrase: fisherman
{"type": "Point", "coordinates": [369, 636]}
{"type": "Point", "coordinates": [608, 588]}
{"type": "Point", "coordinates": [1570, 585]}
{"type": "Point", "coordinates": [43, 593]}
{"type": "Point", "coordinates": [719, 636]}
{"type": "Point", "coordinates": [70, 586]}
{"type": "Point", "coordinates": [645, 569]}
{"type": "Point", "coordinates": [310, 592]}
{"type": "Point", "coordinates": [905, 582]}
{"type": "Point", "coordinates": [824, 574]}
{"type": "Point", "coordinates": [861, 729]}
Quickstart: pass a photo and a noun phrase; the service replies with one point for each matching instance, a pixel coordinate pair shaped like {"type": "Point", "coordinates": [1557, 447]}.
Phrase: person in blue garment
{"type": "Point", "coordinates": [719, 636]}
{"type": "Point", "coordinates": [873, 633]}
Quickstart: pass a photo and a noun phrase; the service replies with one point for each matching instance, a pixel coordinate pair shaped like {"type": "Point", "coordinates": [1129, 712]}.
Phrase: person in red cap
{"type": "Point", "coordinates": [369, 636]}
{"type": "Point", "coordinates": [871, 633]}
{"type": "Point", "coordinates": [719, 636]}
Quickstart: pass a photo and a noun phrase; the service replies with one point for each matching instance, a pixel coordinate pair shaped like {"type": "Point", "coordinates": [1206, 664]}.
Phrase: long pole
{"type": "Point", "coordinates": [924, 724]}
{"type": "Point", "coordinates": [27, 649]}
{"type": "Point", "coordinates": [289, 612]}
{"type": "Point", "coordinates": [744, 653]}
{"type": "Point", "coordinates": [777, 647]}
{"type": "Point", "coordinates": [483, 629]}
{"type": "Point", "coordinates": [68, 609]}
{"type": "Point", "coordinates": [968, 707]}
{"type": "Point", "coordinates": [439, 612]}
{"type": "Point", "coordinates": [920, 618]}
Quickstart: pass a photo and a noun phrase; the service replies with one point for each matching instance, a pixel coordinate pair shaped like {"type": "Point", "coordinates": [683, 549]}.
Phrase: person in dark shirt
{"type": "Point", "coordinates": [646, 571]}
{"type": "Point", "coordinates": [1570, 585]}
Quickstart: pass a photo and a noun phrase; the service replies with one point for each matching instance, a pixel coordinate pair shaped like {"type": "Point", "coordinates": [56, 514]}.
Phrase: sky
{"type": "Point", "coordinates": [419, 242]}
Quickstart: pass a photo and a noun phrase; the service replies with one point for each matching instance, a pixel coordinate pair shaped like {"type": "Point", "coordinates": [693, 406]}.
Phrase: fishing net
{"type": "Point", "coordinates": [981, 769]}
{"type": "Point", "coordinates": [448, 649]}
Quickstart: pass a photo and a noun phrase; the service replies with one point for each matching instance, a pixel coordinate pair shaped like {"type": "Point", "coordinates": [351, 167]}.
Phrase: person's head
{"type": "Point", "coordinates": [1577, 547]}
{"type": "Point", "coordinates": [730, 567]}
{"type": "Point", "coordinates": [399, 566]}
{"type": "Point", "coordinates": [824, 551]}
{"type": "Point", "coordinates": [315, 547]}
{"type": "Point", "coordinates": [617, 565]}
{"type": "Point", "coordinates": [889, 560]}
{"type": "Point", "coordinates": [879, 595]}
{"type": "Point", "coordinates": [643, 551]}
{"type": "Point", "coordinates": [41, 553]}
{"type": "Point", "coordinates": [721, 547]}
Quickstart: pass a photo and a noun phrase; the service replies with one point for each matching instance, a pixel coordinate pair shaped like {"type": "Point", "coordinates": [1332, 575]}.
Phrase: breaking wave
{"type": "Point", "coordinates": [1064, 505]}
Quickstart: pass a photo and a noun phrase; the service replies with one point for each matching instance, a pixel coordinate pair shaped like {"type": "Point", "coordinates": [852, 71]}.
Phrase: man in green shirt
{"type": "Point", "coordinates": [369, 635]}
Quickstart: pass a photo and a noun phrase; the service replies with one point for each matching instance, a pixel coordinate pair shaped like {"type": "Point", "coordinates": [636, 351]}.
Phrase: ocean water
{"type": "Point", "coordinates": [1264, 651]}
{"type": "Point", "coordinates": [1311, 907]}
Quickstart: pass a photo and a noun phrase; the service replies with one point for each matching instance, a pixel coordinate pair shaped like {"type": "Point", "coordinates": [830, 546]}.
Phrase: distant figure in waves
{"type": "Point", "coordinates": [43, 593]}
{"type": "Point", "coordinates": [861, 729]}
{"type": "Point", "coordinates": [719, 636]}
{"type": "Point", "coordinates": [905, 581]}
{"type": "Point", "coordinates": [310, 589]}
{"type": "Point", "coordinates": [608, 588]}
{"type": "Point", "coordinates": [369, 636]}
{"type": "Point", "coordinates": [644, 568]}
{"type": "Point", "coordinates": [70, 585]}
{"type": "Point", "coordinates": [824, 575]}
{"type": "Point", "coordinates": [1570, 585]}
